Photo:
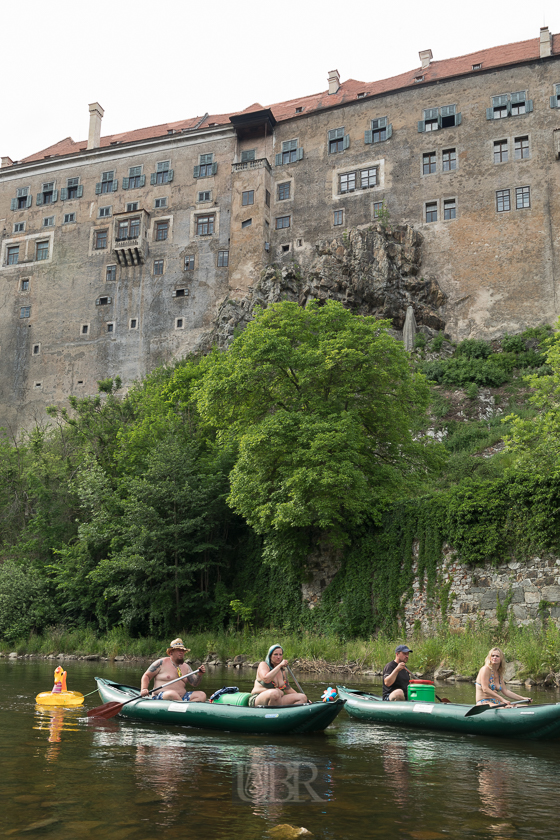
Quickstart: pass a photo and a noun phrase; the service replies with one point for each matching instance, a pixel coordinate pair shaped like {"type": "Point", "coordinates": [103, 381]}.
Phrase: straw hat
{"type": "Point", "coordinates": [177, 644]}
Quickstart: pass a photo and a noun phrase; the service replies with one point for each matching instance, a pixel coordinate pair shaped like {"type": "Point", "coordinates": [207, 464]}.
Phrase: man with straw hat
{"type": "Point", "coordinates": [169, 668]}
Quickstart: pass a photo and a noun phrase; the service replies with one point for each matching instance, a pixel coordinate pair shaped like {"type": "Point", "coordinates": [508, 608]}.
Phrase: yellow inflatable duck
{"type": "Point", "coordinates": [60, 696]}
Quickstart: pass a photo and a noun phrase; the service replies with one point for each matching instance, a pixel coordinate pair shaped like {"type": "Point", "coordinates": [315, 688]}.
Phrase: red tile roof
{"type": "Point", "coordinates": [493, 57]}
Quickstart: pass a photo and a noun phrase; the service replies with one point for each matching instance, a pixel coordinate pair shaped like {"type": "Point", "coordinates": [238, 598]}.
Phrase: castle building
{"type": "Point", "coordinates": [116, 252]}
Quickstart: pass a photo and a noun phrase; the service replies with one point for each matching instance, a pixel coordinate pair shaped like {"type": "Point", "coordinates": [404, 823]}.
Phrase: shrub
{"type": "Point", "coordinates": [419, 341]}
{"type": "Point", "coordinates": [437, 343]}
{"type": "Point", "coordinates": [473, 348]}
{"type": "Point", "coordinates": [513, 344]}
{"type": "Point", "coordinates": [23, 601]}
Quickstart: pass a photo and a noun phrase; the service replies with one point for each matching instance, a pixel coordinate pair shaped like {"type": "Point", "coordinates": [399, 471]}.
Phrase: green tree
{"type": "Point", "coordinates": [323, 404]}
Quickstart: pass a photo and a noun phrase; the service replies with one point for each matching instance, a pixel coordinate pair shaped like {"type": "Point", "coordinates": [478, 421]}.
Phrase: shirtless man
{"type": "Point", "coordinates": [169, 668]}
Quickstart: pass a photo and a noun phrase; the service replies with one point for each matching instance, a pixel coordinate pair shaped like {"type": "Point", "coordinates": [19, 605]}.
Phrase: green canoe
{"type": "Point", "coordinates": [529, 723]}
{"type": "Point", "coordinates": [273, 720]}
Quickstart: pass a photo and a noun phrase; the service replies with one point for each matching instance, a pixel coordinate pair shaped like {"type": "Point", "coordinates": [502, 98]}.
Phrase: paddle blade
{"type": "Point", "coordinates": [484, 707]}
{"type": "Point", "coordinates": [106, 711]}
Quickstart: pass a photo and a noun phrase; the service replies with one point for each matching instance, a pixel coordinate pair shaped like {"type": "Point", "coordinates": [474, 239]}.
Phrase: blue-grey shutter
{"type": "Point", "coordinates": [39, 199]}
{"type": "Point", "coordinates": [554, 102]}
{"type": "Point", "coordinates": [98, 188]}
{"type": "Point", "coordinates": [299, 153]}
{"type": "Point", "coordinates": [80, 191]}
{"type": "Point", "coordinates": [13, 204]}
{"type": "Point", "coordinates": [389, 130]}
{"type": "Point", "coordinates": [169, 175]}
{"type": "Point", "coordinates": [97, 301]}
{"type": "Point", "coordinates": [28, 201]}
{"type": "Point", "coordinates": [332, 134]}
{"type": "Point", "coordinates": [142, 180]}
{"type": "Point", "coordinates": [63, 193]}
{"type": "Point", "coordinates": [489, 113]}
{"type": "Point", "coordinates": [115, 184]}
{"type": "Point", "coordinates": [382, 122]}
{"type": "Point", "coordinates": [431, 113]}
{"type": "Point", "coordinates": [528, 106]}
{"type": "Point", "coordinates": [421, 125]}
{"type": "Point", "coordinates": [458, 118]}
{"type": "Point", "coordinates": [153, 179]}
{"type": "Point", "coordinates": [278, 161]}
{"type": "Point", "coordinates": [214, 168]}
{"type": "Point", "coordinates": [346, 141]}
{"type": "Point", "coordinates": [448, 110]}
{"type": "Point", "coordinates": [518, 96]}
{"type": "Point", "coordinates": [368, 137]}
{"type": "Point", "coordinates": [54, 196]}
{"type": "Point", "coordinates": [125, 183]}
{"type": "Point", "coordinates": [195, 175]}
{"type": "Point", "coordinates": [500, 101]}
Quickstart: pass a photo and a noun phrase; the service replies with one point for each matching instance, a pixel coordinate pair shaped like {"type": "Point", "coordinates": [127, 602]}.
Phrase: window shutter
{"type": "Point", "coordinates": [439, 120]}
{"type": "Point", "coordinates": [109, 300]}
{"type": "Point", "coordinates": [28, 202]}
{"type": "Point", "coordinates": [13, 204]}
{"type": "Point", "coordinates": [169, 175]}
{"type": "Point", "coordinates": [174, 294]}
{"type": "Point", "coordinates": [517, 97]}
{"type": "Point", "coordinates": [528, 106]}
{"type": "Point", "coordinates": [39, 199]}
{"type": "Point", "coordinates": [97, 301]}
{"type": "Point", "coordinates": [142, 180]}
{"type": "Point", "coordinates": [368, 137]}
{"type": "Point", "coordinates": [346, 141]}
{"type": "Point", "coordinates": [214, 168]}
{"type": "Point", "coordinates": [389, 130]}
{"type": "Point", "coordinates": [489, 113]}
{"type": "Point", "coordinates": [63, 193]}
{"type": "Point", "coordinates": [500, 101]}
{"type": "Point", "coordinates": [299, 153]}
{"type": "Point", "coordinates": [98, 188]}
{"type": "Point", "coordinates": [554, 102]}
{"type": "Point", "coordinates": [431, 113]}
{"type": "Point", "coordinates": [195, 175]}
{"type": "Point", "coordinates": [80, 192]}
{"type": "Point", "coordinates": [448, 110]}
{"type": "Point", "coordinates": [383, 122]}
{"type": "Point", "coordinates": [54, 196]}
{"type": "Point", "coordinates": [153, 179]}
{"type": "Point", "coordinates": [421, 125]}
{"type": "Point", "coordinates": [278, 163]}
{"type": "Point", "coordinates": [125, 183]}
{"type": "Point", "coordinates": [458, 118]}
{"type": "Point", "coordinates": [115, 184]}
{"type": "Point", "coordinates": [332, 134]}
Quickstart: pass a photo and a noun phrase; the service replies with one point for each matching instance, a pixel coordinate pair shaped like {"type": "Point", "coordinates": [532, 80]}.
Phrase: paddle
{"type": "Point", "coordinates": [109, 710]}
{"type": "Point", "coordinates": [484, 707]}
{"type": "Point", "coordinates": [301, 691]}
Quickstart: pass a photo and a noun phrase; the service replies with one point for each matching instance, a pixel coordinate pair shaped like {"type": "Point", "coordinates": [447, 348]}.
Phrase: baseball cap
{"type": "Point", "coordinates": [402, 649]}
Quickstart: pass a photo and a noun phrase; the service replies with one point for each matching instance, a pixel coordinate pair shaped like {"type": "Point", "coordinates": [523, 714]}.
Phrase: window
{"type": "Point", "coordinates": [247, 155]}
{"type": "Point", "coordinates": [48, 194]}
{"type": "Point", "coordinates": [206, 195]}
{"type": "Point", "coordinates": [555, 100]}
{"type": "Point", "coordinates": [107, 184]}
{"type": "Point", "coordinates": [22, 200]}
{"type": "Point", "coordinates": [128, 229]}
{"type": "Point", "coordinates": [162, 230]}
{"type": "Point", "coordinates": [163, 174]}
{"type": "Point", "coordinates": [158, 266]}
{"type": "Point", "coordinates": [521, 148]}
{"type": "Point", "coordinates": [135, 179]}
{"type": "Point", "coordinates": [290, 153]}
{"type": "Point", "coordinates": [299, 110]}
{"type": "Point", "coordinates": [431, 211]}
{"type": "Point", "coordinates": [368, 178]}
{"type": "Point", "coordinates": [436, 118]}
{"type": "Point", "coordinates": [449, 159]}
{"type": "Point", "coordinates": [133, 324]}
{"type": "Point", "coordinates": [285, 249]}
{"type": "Point", "coordinates": [522, 198]}
{"type": "Point", "coordinates": [247, 223]}
{"type": "Point", "coordinates": [85, 329]}
{"type": "Point", "coordinates": [284, 191]}
{"type": "Point", "coordinates": [509, 105]}
{"type": "Point", "coordinates": [24, 286]}
{"type": "Point", "coordinates": [178, 323]}
{"type": "Point", "coordinates": [48, 221]}
{"type": "Point", "coordinates": [36, 349]}
{"type": "Point", "coordinates": [72, 190]}
{"type": "Point", "coordinates": [206, 167]}
{"type": "Point", "coordinates": [223, 259]}
{"type": "Point", "coordinates": [476, 66]}
{"type": "Point", "coordinates": [449, 208]}
{"type": "Point", "coordinates": [12, 255]}
{"type": "Point", "coordinates": [103, 212]}
{"type": "Point", "coordinates": [502, 201]}
{"type": "Point", "coordinates": [247, 197]}
{"type": "Point", "coordinates": [189, 263]}
{"type": "Point", "coordinates": [267, 198]}
{"type": "Point", "coordinates": [204, 225]}
{"type": "Point", "coordinates": [132, 207]}
{"type": "Point", "coordinates": [379, 131]}
{"type": "Point", "coordinates": [69, 218]}
{"type": "Point", "coordinates": [19, 227]}
{"type": "Point", "coordinates": [103, 301]}
{"type": "Point", "coordinates": [25, 312]}
{"type": "Point", "coordinates": [337, 140]}
{"type": "Point", "coordinates": [338, 217]}
{"type": "Point", "coordinates": [282, 222]}
{"type": "Point", "coordinates": [377, 209]}
{"type": "Point", "coordinates": [42, 251]}
{"type": "Point", "coordinates": [100, 239]}
{"type": "Point", "coordinates": [428, 163]}
{"type": "Point", "coordinates": [160, 202]}
{"type": "Point", "coordinates": [500, 151]}
{"type": "Point", "coordinates": [180, 293]}
{"type": "Point", "coordinates": [110, 327]}
{"type": "Point", "coordinates": [111, 273]}
{"type": "Point", "coordinates": [347, 182]}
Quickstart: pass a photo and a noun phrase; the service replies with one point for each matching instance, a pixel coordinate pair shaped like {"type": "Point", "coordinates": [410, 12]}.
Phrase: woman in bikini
{"type": "Point", "coordinates": [490, 689]}
{"type": "Point", "coordinates": [271, 686]}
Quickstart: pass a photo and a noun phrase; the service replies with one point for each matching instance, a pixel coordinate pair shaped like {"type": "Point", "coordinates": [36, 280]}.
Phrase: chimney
{"type": "Point", "coordinates": [334, 81]}
{"type": "Point", "coordinates": [546, 42]}
{"type": "Point", "coordinates": [6, 161]}
{"type": "Point", "coordinates": [425, 57]}
{"type": "Point", "coordinates": [95, 116]}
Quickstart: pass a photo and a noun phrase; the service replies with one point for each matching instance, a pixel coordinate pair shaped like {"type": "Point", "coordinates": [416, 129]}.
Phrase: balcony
{"type": "Point", "coordinates": [130, 244]}
{"type": "Point", "coordinates": [260, 163]}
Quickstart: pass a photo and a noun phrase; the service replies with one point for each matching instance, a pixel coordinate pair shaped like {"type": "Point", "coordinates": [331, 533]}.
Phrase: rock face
{"type": "Point", "coordinates": [371, 270]}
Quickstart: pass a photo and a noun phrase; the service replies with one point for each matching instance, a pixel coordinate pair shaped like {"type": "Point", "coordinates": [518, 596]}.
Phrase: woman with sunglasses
{"type": "Point", "coordinates": [490, 688]}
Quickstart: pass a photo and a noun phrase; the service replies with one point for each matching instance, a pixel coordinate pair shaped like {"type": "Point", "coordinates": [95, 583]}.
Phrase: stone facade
{"type": "Point", "coordinates": [117, 255]}
{"type": "Point", "coordinates": [530, 591]}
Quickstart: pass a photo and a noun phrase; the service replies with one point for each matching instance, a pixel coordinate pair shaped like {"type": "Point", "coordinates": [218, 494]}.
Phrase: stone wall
{"type": "Point", "coordinates": [531, 590]}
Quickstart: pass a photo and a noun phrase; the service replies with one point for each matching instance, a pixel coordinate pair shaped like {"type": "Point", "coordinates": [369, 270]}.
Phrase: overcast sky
{"type": "Point", "coordinates": [148, 63]}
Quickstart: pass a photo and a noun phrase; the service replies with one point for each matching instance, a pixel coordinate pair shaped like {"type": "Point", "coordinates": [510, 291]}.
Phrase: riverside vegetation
{"type": "Point", "coordinates": [194, 500]}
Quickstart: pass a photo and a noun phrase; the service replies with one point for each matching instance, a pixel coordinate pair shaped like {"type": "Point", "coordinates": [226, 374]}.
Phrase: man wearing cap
{"type": "Point", "coordinates": [396, 675]}
{"type": "Point", "coordinates": [169, 668]}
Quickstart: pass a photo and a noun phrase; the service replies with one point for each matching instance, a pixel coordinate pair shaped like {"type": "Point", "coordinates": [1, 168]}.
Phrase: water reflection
{"type": "Point", "coordinates": [56, 720]}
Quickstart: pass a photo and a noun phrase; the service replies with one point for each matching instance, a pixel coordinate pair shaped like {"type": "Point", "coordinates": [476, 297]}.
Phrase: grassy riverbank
{"type": "Point", "coordinates": [538, 650]}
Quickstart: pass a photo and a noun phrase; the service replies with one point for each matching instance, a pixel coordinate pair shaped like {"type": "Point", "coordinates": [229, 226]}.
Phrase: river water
{"type": "Point", "coordinates": [66, 776]}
